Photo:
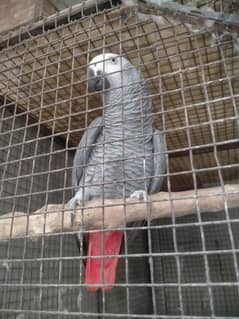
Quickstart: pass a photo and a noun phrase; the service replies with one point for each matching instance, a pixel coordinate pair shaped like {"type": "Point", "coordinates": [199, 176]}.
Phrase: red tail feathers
{"type": "Point", "coordinates": [102, 271]}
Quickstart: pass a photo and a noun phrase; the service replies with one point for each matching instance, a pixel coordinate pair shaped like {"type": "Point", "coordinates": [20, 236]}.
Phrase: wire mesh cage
{"type": "Point", "coordinates": [173, 267]}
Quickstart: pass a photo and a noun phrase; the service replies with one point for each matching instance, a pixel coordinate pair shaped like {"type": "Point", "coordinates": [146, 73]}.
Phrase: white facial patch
{"type": "Point", "coordinates": [106, 63]}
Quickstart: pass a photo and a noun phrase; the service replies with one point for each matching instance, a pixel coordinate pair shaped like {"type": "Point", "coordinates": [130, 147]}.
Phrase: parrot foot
{"type": "Point", "coordinates": [141, 195]}
{"type": "Point", "coordinates": [76, 200]}
{"type": "Point", "coordinates": [73, 203]}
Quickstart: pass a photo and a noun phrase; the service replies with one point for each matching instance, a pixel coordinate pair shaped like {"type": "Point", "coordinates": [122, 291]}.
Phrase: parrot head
{"type": "Point", "coordinates": [110, 71]}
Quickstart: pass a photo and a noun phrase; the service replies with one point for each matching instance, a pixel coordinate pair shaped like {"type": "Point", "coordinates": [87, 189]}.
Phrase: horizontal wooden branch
{"type": "Point", "coordinates": [115, 213]}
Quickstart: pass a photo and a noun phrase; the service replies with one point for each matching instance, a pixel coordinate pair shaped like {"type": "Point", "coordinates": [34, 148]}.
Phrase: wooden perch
{"type": "Point", "coordinates": [57, 218]}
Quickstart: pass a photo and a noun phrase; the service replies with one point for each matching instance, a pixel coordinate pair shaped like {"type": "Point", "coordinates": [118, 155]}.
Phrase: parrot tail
{"type": "Point", "coordinates": [101, 271]}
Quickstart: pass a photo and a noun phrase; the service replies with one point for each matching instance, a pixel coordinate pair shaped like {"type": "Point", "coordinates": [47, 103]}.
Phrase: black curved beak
{"type": "Point", "coordinates": [97, 82]}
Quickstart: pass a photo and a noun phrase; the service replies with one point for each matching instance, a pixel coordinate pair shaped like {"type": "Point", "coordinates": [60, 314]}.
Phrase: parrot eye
{"type": "Point", "coordinates": [113, 60]}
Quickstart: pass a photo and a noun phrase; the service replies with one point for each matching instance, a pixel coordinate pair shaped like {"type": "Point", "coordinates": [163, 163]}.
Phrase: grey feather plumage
{"type": "Point", "coordinates": [84, 149]}
{"type": "Point", "coordinates": [115, 155]}
{"type": "Point", "coordinates": [118, 154]}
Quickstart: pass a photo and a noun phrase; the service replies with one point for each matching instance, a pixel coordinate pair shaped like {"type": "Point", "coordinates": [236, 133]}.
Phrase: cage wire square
{"type": "Point", "coordinates": [183, 267]}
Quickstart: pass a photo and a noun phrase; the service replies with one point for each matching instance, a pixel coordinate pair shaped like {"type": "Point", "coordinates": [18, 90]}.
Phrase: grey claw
{"type": "Point", "coordinates": [73, 203]}
{"type": "Point", "coordinates": [141, 195]}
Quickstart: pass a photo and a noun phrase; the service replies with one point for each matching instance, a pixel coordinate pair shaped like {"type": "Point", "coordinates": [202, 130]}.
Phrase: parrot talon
{"type": "Point", "coordinates": [73, 203]}
{"type": "Point", "coordinates": [141, 195]}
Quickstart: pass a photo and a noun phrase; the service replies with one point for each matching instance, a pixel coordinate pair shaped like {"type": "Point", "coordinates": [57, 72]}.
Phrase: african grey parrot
{"type": "Point", "coordinates": [120, 153]}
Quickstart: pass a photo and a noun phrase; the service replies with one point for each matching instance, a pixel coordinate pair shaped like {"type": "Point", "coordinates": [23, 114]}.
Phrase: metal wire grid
{"type": "Point", "coordinates": [45, 109]}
